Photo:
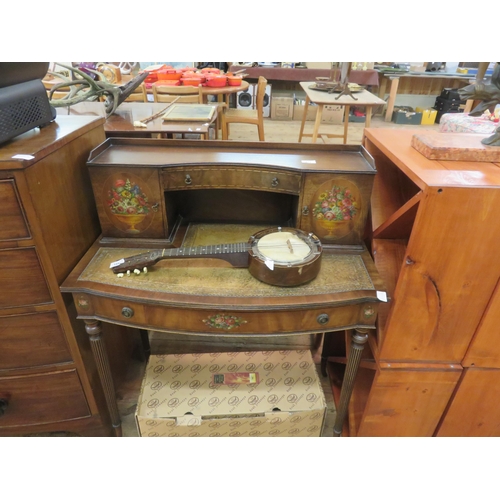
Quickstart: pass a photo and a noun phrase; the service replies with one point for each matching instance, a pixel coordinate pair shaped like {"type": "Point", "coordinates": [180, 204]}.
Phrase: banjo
{"type": "Point", "coordinates": [280, 256]}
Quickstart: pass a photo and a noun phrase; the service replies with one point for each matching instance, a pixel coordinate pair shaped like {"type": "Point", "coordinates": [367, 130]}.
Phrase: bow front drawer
{"type": "Point", "coordinates": [261, 179]}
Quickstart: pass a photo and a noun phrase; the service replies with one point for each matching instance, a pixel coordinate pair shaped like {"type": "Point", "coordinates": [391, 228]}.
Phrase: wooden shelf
{"type": "Point", "coordinates": [400, 223]}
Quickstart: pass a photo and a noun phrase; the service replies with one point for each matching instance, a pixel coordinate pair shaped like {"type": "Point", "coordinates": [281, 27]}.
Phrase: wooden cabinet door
{"type": "Point", "coordinates": [484, 350]}
{"type": "Point", "coordinates": [474, 410]}
{"type": "Point", "coordinates": [335, 207]}
{"type": "Point", "coordinates": [129, 202]}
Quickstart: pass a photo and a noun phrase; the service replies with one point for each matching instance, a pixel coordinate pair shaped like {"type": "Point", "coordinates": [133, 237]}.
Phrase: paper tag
{"type": "Point", "coordinates": [116, 263]}
{"type": "Point", "coordinates": [23, 157]}
{"type": "Point", "coordinates": [382, 296]}
{"type": "Point", "coordinates": [188, 420]}
{"type": "Point", "coordinates": [235, 378]}
{"type": "Point", "coordinates": [269, 263]}
{"type": "Point", "coordinates": [308, 161]}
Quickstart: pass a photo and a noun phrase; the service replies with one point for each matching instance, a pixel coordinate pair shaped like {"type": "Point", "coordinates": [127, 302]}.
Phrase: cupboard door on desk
{"type": "Point", "coordinates": [14, 225]}
{"type": "Point", "coordinates": [130, 202]}
{"type": "Point", "coordinates": [32, 340]}
{"type": "Point", "coordinates": [22, 280]}
{"type": "Point", "coordinates": [335, 207]}
{"type": "Point", "coordinates": [40, 399]}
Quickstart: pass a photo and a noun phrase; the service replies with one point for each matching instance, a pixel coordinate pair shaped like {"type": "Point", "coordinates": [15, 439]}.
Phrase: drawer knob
{"type": "Point", "coordinates": [188, 180]}
{"type": "Point", "coordinates": [305, 210]}
{"type": "Point", "coordinates": [3, 406]}
{"type": "Point", "coordinates": [128, 312]}
{"type": "Point", "coordinates": [323, 319]}
{"type": "Point", "coordinates": [275, 182]}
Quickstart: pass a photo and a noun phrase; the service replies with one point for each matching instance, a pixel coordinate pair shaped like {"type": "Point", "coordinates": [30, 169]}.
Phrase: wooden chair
{"type": "Point", "coordinates": [186, 94]}
{"type": "Point", "coordinates": [138, 95]}
{"type": "Point", "coordinates": [252, 116]}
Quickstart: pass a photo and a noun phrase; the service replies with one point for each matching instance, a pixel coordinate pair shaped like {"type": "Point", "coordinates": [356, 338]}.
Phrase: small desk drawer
{"type": "Point", "coordinates": [31, 340]}
{"type": "Point", "coordinates": [223, 321]}
{"type": "Point", "coordinates": [14, 225]}
{"type": "Point", "coordinates": [43, 398]}
{"type": "Point", "coordinates": [230, 178]}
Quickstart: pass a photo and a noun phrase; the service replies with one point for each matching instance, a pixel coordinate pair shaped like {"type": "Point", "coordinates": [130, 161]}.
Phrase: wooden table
{"type": "Point", "coordinates": [363, 98]}
{"type": "Point", "coordinates": [366, 77]}
{"type": "Point", "coordinates": [121, 122]}
{"type": "Point", "coordinates": [434, 82]}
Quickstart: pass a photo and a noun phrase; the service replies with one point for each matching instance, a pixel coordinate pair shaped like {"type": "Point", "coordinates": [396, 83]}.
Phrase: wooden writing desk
{"type": "Point", "coordinates": [321, 98]}
{"type": "Point", "coordinates": [237, 189]}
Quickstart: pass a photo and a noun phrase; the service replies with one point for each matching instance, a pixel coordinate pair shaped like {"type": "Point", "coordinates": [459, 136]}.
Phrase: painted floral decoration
{"type": "Point", "coordinates": [224, 321]}
{"type": "Point", "coordinates": [338, 204]}
{"type": "Point", "coordinates": [126, 198]}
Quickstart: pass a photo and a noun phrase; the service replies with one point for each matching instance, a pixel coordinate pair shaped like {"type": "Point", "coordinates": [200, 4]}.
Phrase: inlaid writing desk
{"type": "Point", "coordinates": [321, 98]}
{"type": "Point", "coordinates": [121, 122]}
{"type": "Point", "coordinates": [198, 193]}
{"type": "Point", "coordinates": [185, 296]}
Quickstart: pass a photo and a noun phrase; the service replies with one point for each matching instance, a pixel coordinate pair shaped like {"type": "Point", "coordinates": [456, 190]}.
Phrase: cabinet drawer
{"type": "Point", "coordinates": [231, 178]}
{"type": "Point", "coordinates": [220, 321]}
{"type": "Point", "coordinates": [22, 280]}
{"type": "Point", "coordinates": [32, 340]}
{"type": "Point", "coordinates": [14, 225]}
{"type": "Point", "coordinates": [40, 399]}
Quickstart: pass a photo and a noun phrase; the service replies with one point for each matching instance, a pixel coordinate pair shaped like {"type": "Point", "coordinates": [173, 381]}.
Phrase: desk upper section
{"type": "Point", "coordinates": [167, 153]}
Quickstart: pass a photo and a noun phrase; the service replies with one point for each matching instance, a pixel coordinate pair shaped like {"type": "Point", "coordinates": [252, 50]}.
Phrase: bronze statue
{"type": "Point", "coordinates": [86, 88]}
{"type": "Point", "coordinates": [489, 94]}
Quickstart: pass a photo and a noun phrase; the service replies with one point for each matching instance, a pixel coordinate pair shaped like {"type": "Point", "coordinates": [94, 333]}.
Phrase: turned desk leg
{"type": "Point", "coordinates": [94, 330]}
{"type": "Point", "coordinates": [359, 337]}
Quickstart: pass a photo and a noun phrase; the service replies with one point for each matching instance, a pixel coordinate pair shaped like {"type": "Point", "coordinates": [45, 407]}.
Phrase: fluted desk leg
{"type": "Point", "coordinates": [359, 337]}
{"type": "Point", "coordinates": [94, 330]}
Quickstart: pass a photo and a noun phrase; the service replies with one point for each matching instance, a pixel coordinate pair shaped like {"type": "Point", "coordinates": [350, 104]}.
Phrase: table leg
{"type": "Point", "coordinates": [368, 116]}
{"type": "Point", "coordinates": [392, 99]}
{"type": "Point", "coordinates": [94, 330]}
{"type": "Point", "coordinates": [359, 337]}
{"type": "Point", "coordinates": [317, 122]}
{"type": "Point", "coordinates": [303, 119]}
{"type": "Point", "coordinates": [347, 110]}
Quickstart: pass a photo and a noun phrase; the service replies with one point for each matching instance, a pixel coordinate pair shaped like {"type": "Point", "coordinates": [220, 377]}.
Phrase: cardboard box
{"type": "Point", "coordinates": [195, 395]}
{"type": "Point", "coordinates": [298, 112]}
{"type": "Point", "coordinates": [281, 108]}
{"type": "Point", "coordinates": [332, 114]}
{"type": "Point", "coordinates": [428, 115]}
{"type": "Point", "coordinates": [318, 65]}
{"type": "Point", "coordinates": [406, 116]}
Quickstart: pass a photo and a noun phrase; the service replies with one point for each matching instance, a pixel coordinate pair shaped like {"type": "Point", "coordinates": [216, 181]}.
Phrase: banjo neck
{"type": "Point", "coordinates": [234, 253]}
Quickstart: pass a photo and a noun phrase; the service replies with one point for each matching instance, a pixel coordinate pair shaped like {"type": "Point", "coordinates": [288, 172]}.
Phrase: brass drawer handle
{"type": "Point", "coordinates": [128, 312]}
{"type": "Point", "coordinates": [188, 180]}
{"type": "Point", "coordinates": [323, 319]}
{"type": "Point", "coordinates": [305, 210]}
{"type": "Point", "coordinates": [275, 182]}
{"type": "Point", "coordinates": [154, 208]}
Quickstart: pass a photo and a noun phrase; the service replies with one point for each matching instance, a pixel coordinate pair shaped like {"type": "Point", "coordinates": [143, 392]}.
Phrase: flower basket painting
{"type": "Point", "coordinates": [128, 203]}
{"type": "Point", "coordinates": [336, 208]}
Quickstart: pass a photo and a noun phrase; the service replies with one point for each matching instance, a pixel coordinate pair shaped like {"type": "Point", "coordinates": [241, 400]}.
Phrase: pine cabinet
{"type": "Point", "coordinates": [435, 231]}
